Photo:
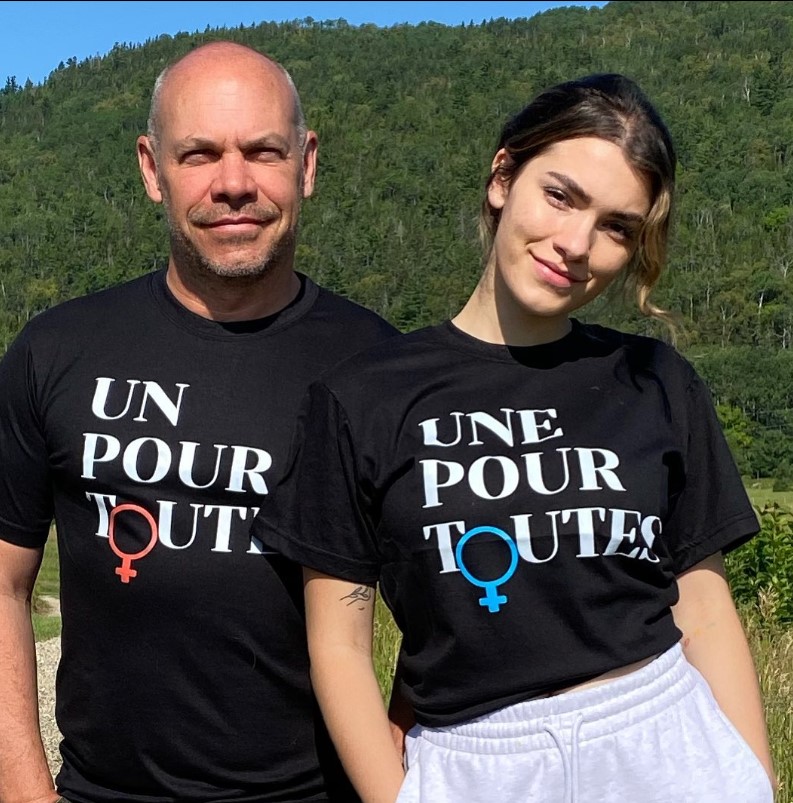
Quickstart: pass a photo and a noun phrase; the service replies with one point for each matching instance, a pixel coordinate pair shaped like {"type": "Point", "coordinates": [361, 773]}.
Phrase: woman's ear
{"type": "Point", "coordinates": [498, 188]}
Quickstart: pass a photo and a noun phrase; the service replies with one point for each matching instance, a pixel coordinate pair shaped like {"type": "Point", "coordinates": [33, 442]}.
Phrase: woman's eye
{"type": "Point", "coordinates": [621, 231]}
{"type": "Point", "coordinates": [556, 196]}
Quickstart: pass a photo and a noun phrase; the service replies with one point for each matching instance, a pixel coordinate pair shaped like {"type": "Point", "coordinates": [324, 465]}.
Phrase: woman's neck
{"type": "Point", "coordinates": [493, 315]}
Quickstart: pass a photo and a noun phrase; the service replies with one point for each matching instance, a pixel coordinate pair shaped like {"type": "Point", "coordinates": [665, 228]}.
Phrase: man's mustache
{"type": "Point", "coordinates": [255, 213]}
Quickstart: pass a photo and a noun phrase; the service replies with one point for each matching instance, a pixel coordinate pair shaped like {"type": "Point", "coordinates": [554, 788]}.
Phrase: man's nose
{"type": "Point", "coordinates": [233, 182]}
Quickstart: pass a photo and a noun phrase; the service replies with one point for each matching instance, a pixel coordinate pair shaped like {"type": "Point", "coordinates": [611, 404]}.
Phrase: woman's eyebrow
{"type": "Point", "coordinates": [571, 186]}
{"type": "Point", "coordinates": [576, 189]}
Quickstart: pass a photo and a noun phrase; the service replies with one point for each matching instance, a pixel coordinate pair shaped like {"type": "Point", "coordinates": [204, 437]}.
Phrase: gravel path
{"type": "Point", "coordinates": [48, 654]}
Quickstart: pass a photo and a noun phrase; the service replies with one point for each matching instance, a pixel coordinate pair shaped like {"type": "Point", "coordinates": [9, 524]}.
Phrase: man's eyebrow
{"type": "Point", "coordinates": [264, 141]}
{"type": "Point", "coordinates": [576, 189]}
{"type": "Point", "coordinates": [198, 143]}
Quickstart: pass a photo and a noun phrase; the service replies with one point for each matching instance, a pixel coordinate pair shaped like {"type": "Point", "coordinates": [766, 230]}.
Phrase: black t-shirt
{"type": "Point", "coordinates": [151, 435]}
{"type": "Point", "coordinates": [525, 510]}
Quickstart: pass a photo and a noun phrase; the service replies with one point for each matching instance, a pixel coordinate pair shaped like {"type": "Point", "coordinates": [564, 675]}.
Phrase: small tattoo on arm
{"type": "Point", "coordinates": [359, 594]}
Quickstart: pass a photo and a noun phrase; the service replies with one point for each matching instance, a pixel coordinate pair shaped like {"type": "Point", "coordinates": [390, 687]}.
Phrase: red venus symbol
{"type": "Point", "coordinates": [125, 571]}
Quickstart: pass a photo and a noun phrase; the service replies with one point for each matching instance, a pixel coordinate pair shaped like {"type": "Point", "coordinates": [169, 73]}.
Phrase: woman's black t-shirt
{"type": "Point", "coordinates": [525, 510]}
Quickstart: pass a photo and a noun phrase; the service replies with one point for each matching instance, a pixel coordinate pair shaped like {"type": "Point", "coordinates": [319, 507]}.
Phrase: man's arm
{"type": "Point", "coordinates": [714, 642]}
{"type": "Point", "coordinates": [24, 774]}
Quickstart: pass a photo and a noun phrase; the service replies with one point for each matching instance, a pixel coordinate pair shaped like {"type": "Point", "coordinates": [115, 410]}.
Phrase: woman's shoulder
{"type": "Point", "coordinates": [641, 351]}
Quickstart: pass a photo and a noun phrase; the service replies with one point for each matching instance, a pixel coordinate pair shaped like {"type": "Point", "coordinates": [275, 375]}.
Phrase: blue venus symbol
{"type": "Point", "coordinates": [491, 600]}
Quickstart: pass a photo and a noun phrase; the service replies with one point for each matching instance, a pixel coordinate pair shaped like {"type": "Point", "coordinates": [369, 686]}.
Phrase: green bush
{"type": "Point", "coordinates": [783, 479]}
{"type": "Point", "coordinates": [764, 566]}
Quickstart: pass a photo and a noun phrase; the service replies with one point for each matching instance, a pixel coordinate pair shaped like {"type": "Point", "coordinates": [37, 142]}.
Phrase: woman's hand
{"type": "Point", "coordinates": [714, 642]}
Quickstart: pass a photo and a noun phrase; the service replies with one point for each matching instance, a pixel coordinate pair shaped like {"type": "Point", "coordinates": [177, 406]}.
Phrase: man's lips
{"type": "Point", "coordinates": [220, 218]}
{"type": "Point", "coordinates": [234, 221]}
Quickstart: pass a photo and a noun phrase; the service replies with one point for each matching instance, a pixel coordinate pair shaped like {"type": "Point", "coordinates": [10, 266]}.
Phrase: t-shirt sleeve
{"type": "Point", "coordinates": [710, 512]}
{"type": "Point", "coordinates": [320, 513]}
{"type": "Point", "coordinates": [26, 505]}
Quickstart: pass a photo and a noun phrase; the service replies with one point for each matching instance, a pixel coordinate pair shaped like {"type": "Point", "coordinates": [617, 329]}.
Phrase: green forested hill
{"type": "Point", "coordinates": [407, 118]}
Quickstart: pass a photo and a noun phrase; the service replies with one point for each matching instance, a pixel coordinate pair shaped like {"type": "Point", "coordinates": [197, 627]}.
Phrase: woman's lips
{"type": "Point", "coordinates": [553, 275]}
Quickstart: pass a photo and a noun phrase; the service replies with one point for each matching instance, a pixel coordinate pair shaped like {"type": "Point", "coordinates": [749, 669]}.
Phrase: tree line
{"type": "Point", "coordinates": [407, 118]}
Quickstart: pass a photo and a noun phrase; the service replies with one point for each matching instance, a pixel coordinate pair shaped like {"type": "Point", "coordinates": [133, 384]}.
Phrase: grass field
{"type": "Point", "coordinates": [761, 493]}
{"type": "Point", "coordinates": [772, 647]}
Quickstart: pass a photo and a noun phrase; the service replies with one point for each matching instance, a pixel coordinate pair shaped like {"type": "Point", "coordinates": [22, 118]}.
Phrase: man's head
{"type": "Point", "coordinates": [229, 156]}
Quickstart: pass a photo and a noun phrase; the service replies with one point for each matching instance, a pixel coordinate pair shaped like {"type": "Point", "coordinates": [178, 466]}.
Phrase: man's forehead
{"type": "Point", "coordinates": [219, 58]}
{"type": "Point", "coordinates": [196, 86]}
{"type": "Point", "coordinates": [205, 107]}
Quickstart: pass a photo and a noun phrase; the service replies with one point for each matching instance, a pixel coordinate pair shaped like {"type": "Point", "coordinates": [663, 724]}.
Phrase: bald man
{"type": "Point", "coordinates": [150, 421]}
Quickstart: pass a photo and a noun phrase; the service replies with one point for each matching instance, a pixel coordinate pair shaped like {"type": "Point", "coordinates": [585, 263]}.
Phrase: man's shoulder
{"type": "Point", "coordinates": [394, 361]}
{"type": "Point", "coordinates": [108, 304]}
{"type": "Point", "coordinates": [335, 328]}
{"type": "Point", "coordinates": [345, 311]}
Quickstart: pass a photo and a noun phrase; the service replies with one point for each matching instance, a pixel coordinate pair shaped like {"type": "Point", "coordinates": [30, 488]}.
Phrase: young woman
{"type": "Point", "coordinates": [544, 505]}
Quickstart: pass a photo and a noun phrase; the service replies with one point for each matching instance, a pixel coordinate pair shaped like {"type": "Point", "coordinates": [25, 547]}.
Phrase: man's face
{"type": "Point", "coordinates": [229, 168]}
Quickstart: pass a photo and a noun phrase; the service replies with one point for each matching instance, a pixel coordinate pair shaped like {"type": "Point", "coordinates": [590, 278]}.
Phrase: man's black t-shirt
{"type": "Point", "coordinates": [526, 511]}
{"type": "Point", "coordinates": [151, 435]}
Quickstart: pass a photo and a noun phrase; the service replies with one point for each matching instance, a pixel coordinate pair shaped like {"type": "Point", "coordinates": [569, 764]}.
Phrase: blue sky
{"type": "Point", "coordinates": [36, 36]}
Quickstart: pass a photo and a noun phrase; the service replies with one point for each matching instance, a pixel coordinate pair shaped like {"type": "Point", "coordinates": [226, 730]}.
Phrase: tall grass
{"type": "Point", "coordinates": [772, 647]}
{"type": "Point", "coordinates": [386, 647]}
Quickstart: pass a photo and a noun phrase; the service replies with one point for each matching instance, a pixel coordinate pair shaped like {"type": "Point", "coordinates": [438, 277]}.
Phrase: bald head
{"type": "Point", "coordinates": [228, 160]}
{"type": "Point", "coordinates": [217, 58]}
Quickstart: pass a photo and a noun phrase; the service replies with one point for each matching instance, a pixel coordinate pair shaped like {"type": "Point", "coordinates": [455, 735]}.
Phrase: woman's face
{"type": "Point", "coordinates": [570, 221]}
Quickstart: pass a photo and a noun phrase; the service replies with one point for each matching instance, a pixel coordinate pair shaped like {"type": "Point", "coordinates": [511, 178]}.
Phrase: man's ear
{"type": "Point", "coordinates": [148, 169]}
{"type": "Point", "coordinates": [309, 163]}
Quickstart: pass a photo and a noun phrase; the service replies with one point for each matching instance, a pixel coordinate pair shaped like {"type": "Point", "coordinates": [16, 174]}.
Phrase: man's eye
{"type": "Point", "coordinates": [266, 154]}
{"type": "Point", "coordinates": [198, 157]}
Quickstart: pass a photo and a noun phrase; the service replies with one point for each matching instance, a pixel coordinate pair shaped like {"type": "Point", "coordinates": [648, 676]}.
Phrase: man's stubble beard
{"type": "Point", "coordinates": [188, 257]}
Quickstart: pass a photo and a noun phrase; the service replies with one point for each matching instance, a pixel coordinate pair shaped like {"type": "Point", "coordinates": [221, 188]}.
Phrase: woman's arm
{"type": "Point", "coordinates": [400, 714]}
{"type": "Point", "coordinates": [339, 616]}
{"type": "Point", "coordinates": [714, 642]}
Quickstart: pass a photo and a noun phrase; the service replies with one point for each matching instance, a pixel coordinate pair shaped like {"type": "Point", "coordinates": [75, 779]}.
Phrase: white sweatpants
{"type": "Point", "coordinates": [654, 736]}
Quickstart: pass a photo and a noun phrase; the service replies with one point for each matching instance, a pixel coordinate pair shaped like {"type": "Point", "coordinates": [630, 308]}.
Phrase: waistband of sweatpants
{"type": "Point", "coordinates": [600, 710]}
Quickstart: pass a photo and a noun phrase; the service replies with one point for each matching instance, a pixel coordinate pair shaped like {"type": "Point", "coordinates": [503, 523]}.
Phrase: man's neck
{"type": "Point", "coordinates": [228, 299]}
